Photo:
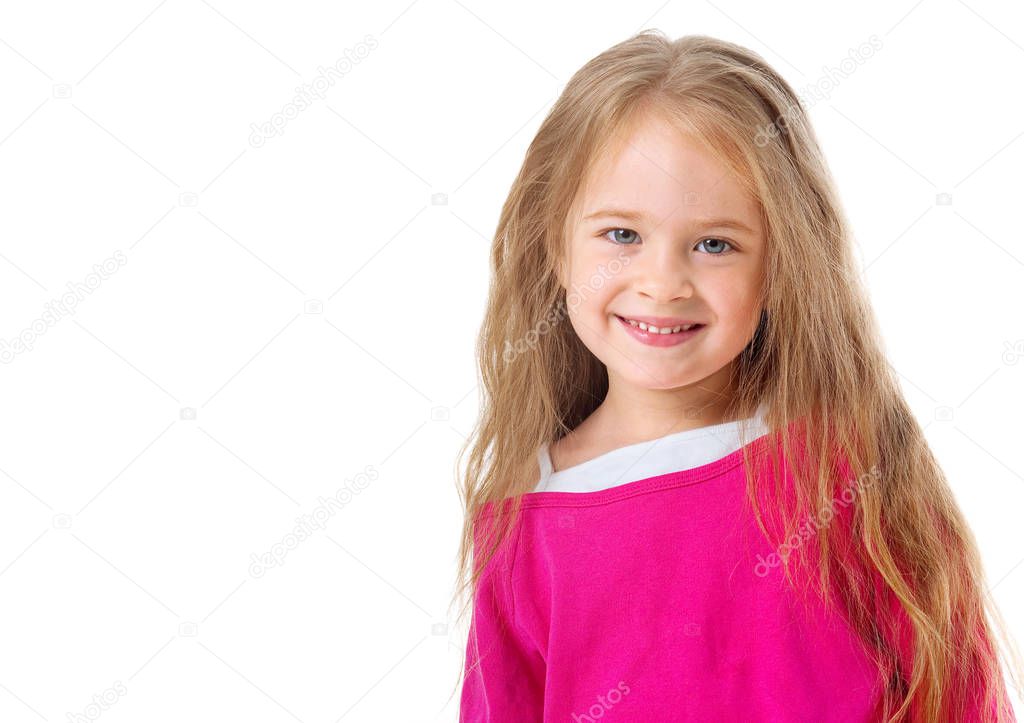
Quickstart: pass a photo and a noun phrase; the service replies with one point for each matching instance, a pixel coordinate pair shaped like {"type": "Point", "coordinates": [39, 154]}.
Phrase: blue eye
{"type": "Point", "coordinates": [613, 230]}
{"type": "Point", "coordinates": [719, 246]}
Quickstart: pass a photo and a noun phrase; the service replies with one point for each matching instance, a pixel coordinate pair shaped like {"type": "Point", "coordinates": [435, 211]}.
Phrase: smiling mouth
{"type": "Point", "coordinates": [650, 329]}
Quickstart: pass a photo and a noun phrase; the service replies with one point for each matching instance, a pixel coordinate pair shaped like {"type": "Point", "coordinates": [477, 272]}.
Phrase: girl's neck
{"type": "Point", "coordinates": [628, 416]}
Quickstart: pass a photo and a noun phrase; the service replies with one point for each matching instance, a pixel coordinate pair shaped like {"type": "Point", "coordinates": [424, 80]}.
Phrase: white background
{"type": "Point", "coordinates": [314, 304]}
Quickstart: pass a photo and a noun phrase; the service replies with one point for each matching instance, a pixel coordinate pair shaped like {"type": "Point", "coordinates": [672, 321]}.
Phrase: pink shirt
{"type": "Point", "coordinates": [650, 600]}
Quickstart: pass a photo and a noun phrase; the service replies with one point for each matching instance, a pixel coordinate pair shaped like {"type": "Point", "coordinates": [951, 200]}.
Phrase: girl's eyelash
{"type": "Point", "coordinates": [604, 234]}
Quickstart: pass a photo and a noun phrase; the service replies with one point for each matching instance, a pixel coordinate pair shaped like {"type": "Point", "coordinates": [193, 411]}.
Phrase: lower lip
{"type": "Point", "coordinates": [646, 337]}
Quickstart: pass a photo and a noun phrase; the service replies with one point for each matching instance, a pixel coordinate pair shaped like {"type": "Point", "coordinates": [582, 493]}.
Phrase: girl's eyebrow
{"type": "Point", "coordinates": [638, 216]}
{"type": "Point", "coordinates": [616, 213]}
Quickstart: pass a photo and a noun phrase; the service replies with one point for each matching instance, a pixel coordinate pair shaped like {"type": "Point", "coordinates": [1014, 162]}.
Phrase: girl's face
{"type": "Point", "coordinates": [663, 229]}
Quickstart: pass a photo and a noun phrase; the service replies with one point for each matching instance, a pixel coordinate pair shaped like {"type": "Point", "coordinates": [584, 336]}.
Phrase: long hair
{"type": "Point", "coordinates": [903, 567]}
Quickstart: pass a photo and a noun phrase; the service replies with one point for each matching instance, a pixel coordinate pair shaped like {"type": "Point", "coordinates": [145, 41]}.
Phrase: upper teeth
{"type": "Point", "coordinates": [661, 330]}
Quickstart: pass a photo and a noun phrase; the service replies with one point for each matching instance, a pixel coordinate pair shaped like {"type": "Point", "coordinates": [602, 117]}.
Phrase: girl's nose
{"type": "Point", "coordinates": [663, 276]}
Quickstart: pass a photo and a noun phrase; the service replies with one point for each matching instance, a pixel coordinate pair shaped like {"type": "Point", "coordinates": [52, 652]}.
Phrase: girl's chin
{"type": "Point", "coordinates": [648, 384]}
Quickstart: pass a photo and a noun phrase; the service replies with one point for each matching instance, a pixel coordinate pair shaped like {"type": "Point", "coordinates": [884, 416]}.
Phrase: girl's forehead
{"type": "Point", "coordinates": [656, 152]}
{"type": "Point", "coordinates": [659, 186]}
{"type": "Point", "coordinates": [650, 160]}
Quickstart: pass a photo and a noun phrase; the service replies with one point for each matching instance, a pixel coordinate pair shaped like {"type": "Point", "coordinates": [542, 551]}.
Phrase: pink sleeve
{"type": "Point", "coordinates": [504, 670]}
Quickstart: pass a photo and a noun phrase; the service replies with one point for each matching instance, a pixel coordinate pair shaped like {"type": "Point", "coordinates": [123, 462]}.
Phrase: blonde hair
{"type": "Point", "coordinates": [816, 362]}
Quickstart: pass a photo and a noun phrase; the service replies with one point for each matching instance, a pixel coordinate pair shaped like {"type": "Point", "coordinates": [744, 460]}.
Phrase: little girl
{"type": "Point", "coordinates": [696, 492]}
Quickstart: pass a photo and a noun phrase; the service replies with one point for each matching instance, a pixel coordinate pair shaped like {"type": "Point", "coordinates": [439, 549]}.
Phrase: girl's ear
{"type": "Point", "coordinates": [562, 270]}
{"type": "Point", "coordinates": [562, 262]}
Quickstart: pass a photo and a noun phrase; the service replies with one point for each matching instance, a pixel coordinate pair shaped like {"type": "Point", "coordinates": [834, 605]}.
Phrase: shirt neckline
{"type": "Point", "coordinates": [548, 477]}
{"type": "Point", "coordinates": [669, 480]}
{"type": "Point", "coordinates": [547, 468]}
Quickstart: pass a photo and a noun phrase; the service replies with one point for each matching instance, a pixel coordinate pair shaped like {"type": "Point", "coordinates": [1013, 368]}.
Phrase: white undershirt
{"type": "Point", "coordinates": [670, 453]}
